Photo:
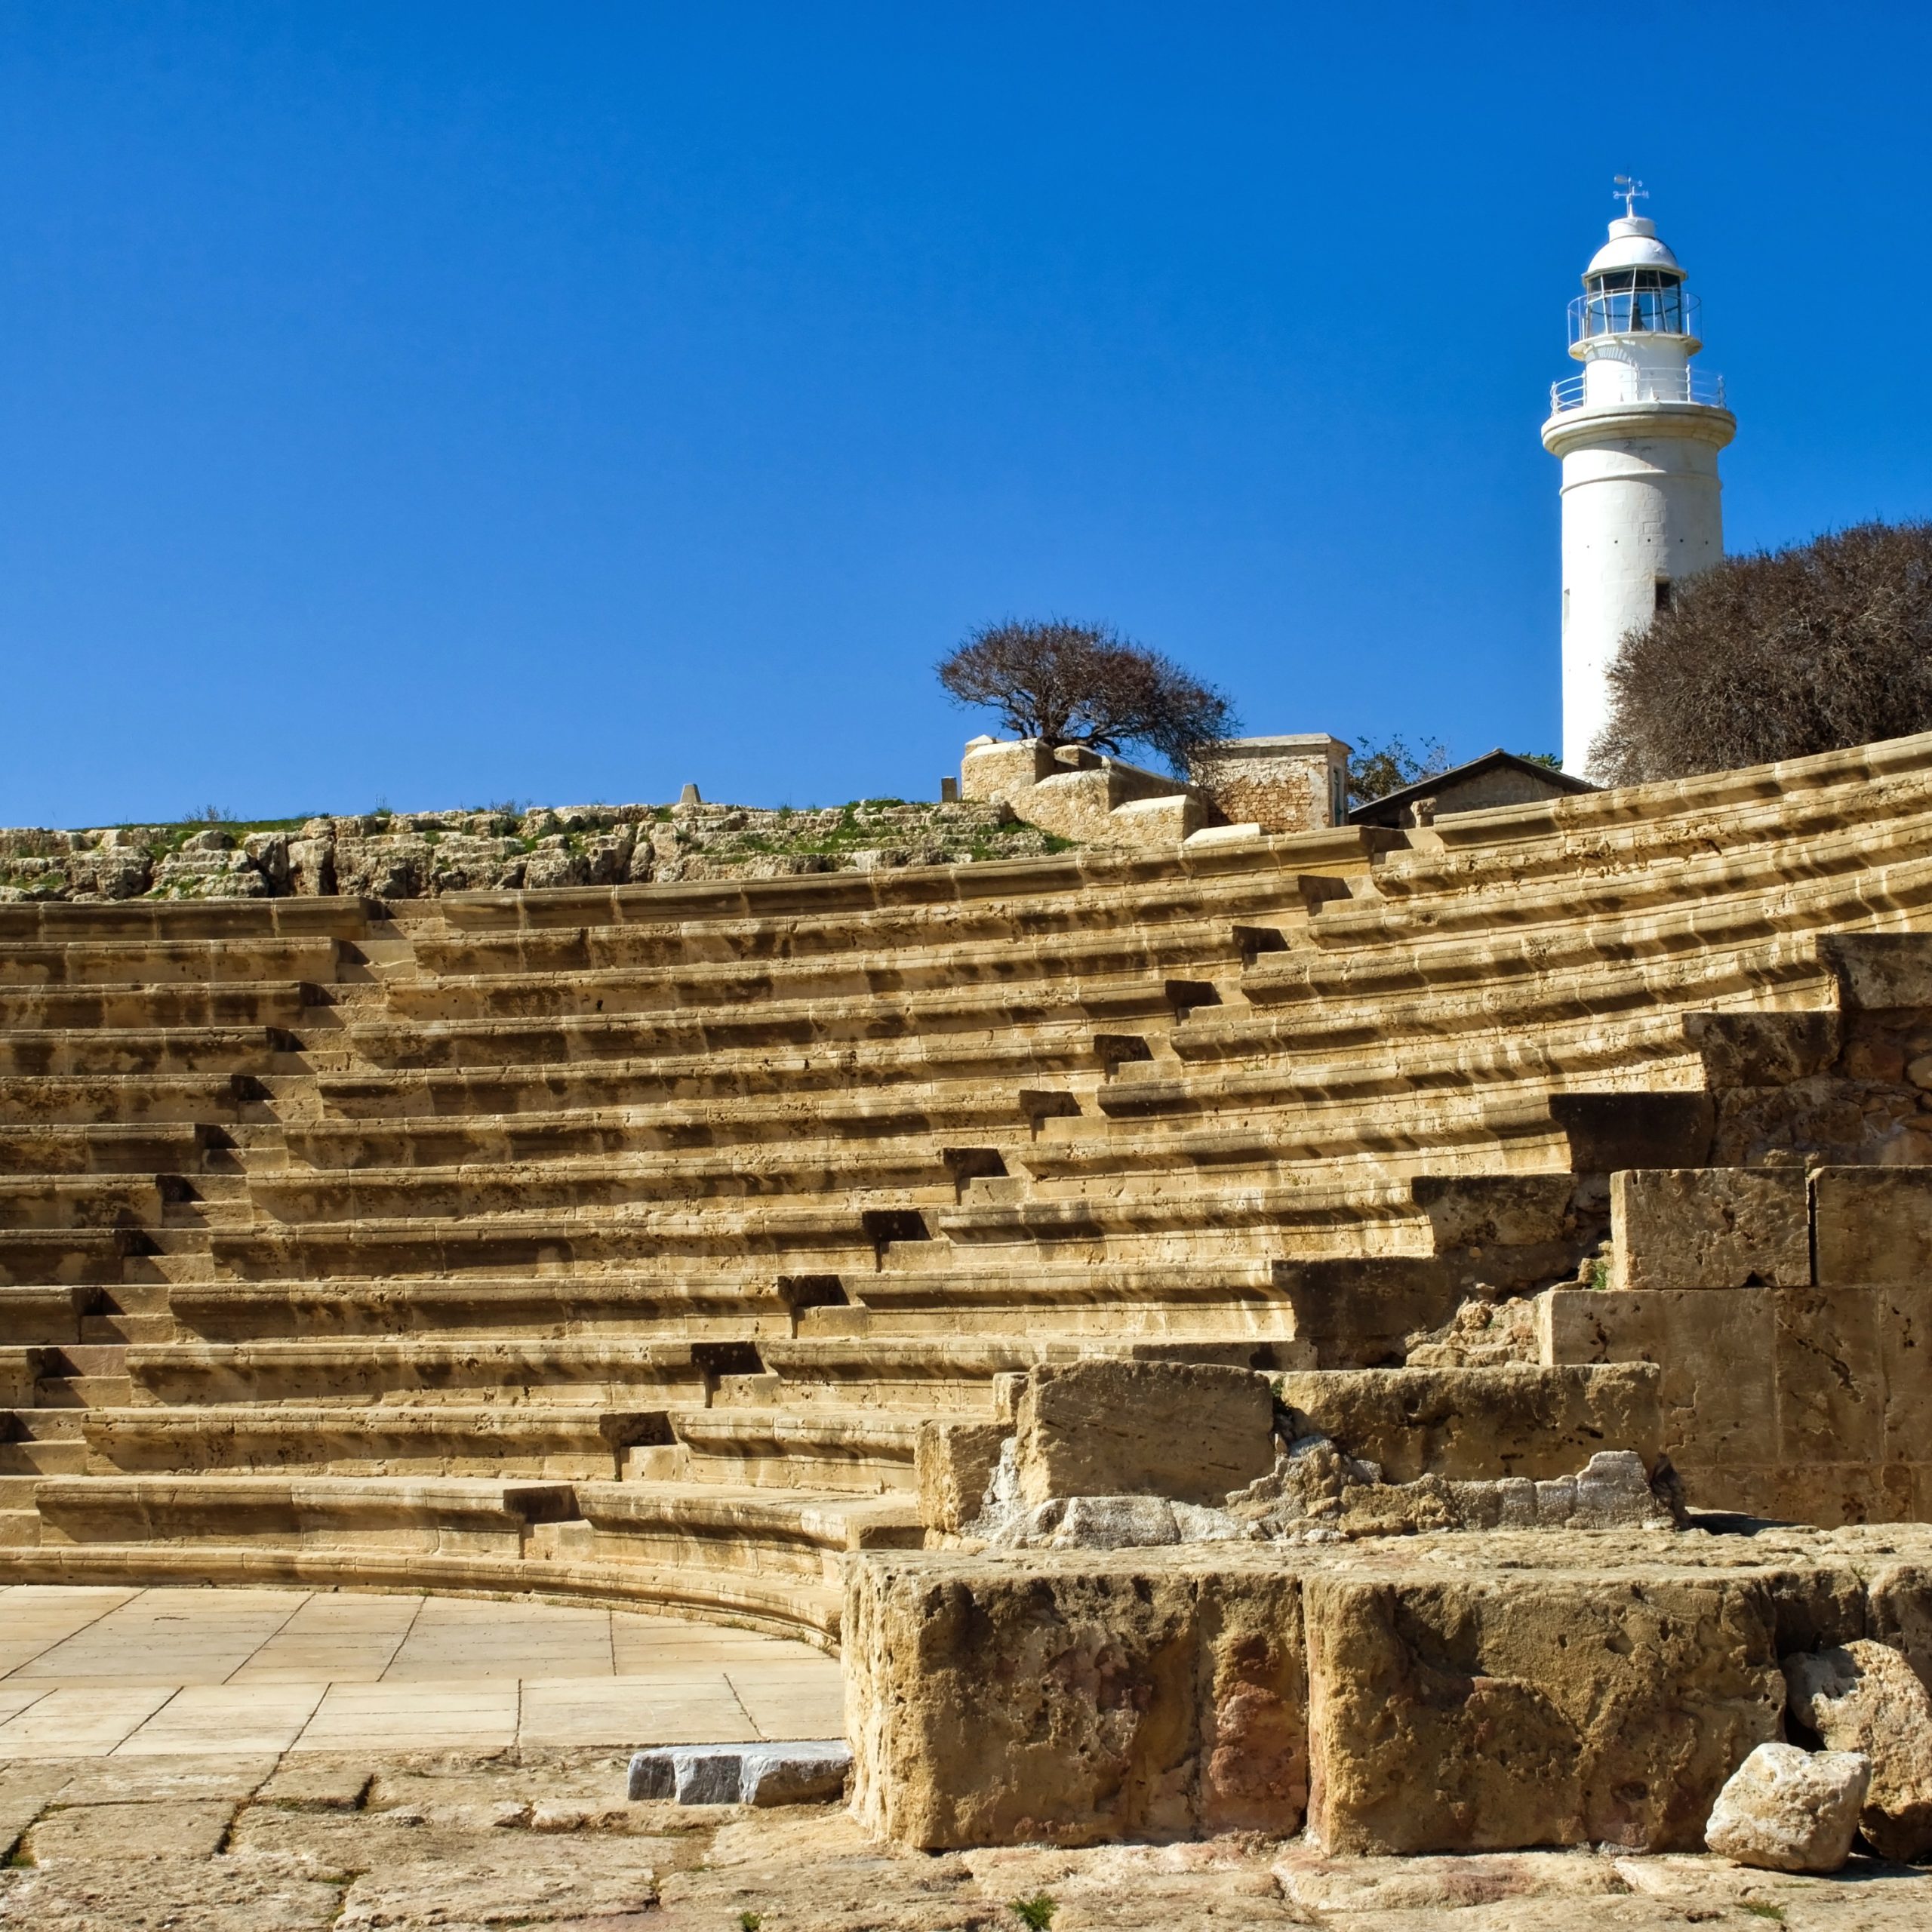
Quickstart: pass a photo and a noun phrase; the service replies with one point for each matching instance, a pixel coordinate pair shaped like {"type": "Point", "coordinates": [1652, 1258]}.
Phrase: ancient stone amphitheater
{"type": "Point", "coordinates": [641, 1243]}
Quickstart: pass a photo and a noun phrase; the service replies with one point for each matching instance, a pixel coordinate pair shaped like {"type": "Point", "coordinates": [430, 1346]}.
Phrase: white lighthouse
{"type": "Point", "coordinates": [1638, 432]}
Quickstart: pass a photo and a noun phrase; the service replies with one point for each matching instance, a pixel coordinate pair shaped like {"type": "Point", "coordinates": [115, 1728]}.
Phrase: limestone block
{"type": "Point", "coordinates": [1762, 1049]}
{"type": "Point", "coordinates": [954, 1462]}
{"type": "Point", "coordinates": [1550, 1708]}
{"type": "Point", "coordinates": [311, 863]}
{"type": "Point", "coordinates": [1610, 1131]}
{"type": "Point", "coordinates": [1466, 1423]}
{"type": "Point", "coordinates": [1191, 1432]}
{"type": "Point", "coordinates": [1881, 970]}
{"type": "Point", "coordinates": [1829, 1368]}
{"type": "Point", "coordinates": [1898, 1595]}
{"type": "Point", "coordinates": [184, 1828]}
{"type": "Point", "coordinates": [1004, 768]}
{"type": "Point", "coordinates": [1872, 1225]}
{"type": "Point", "coordinates": [1116, 1522]}
{"type": "Point", "coordinates": [1715, 1348]}
{"type": "Point", "coordinates": [1863, 1696]}
{"type": "Point", "coordinates": [800, 1772]}
{"type": "Point", "coordinates": [1709, 1228]}
{"type": "Point", "coordinates": [1075, 1699]}
{"type": "Point", "coordinates": [1786, 1810]}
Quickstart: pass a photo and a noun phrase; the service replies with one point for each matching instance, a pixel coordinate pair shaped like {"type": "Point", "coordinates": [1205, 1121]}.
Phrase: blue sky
{"type": "Point", "coordinates": [437, 404]}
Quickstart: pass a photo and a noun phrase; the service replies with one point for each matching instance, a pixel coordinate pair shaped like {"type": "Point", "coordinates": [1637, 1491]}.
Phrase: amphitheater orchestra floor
{"type": "Point", "coordinates": [89, 1672]}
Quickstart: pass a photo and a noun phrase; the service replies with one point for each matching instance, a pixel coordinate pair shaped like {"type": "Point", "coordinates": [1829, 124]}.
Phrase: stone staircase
{"type": "Point", "coordinates": [616, 1243]}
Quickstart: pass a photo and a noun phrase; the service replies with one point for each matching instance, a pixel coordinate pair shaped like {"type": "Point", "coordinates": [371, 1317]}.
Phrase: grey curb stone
{"type": "Point", "coordinates": [786, 1773]}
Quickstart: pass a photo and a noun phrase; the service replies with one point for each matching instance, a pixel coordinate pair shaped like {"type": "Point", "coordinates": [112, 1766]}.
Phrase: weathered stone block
{"type": "Point", "coordinates": [1830, 1377]}
{"type": "Point", "coordinates": [1709, 1228]}
{"type": "Point", "coordinates": [954, 1462]}
{"type": "Point", "coordinates": [1075, 1698]}
{"type": "Point", "coordinates": [1786, 1810]}
{"type": "Point", "coordinates": [1873, 1225]}
{"type": "Point", "coordinates": [1191, 1432]}
{"type": "Point", "coordinates": [1468, 1423]}
{"type": "Point", "coordinates": [1549, 1709]}
{"type": "Point", "coordinates": [1881, 970]}
{"type": "Point", "coordinates": [1863, 1696]}
{"type": "Point", "coordinates": [760, 1774]}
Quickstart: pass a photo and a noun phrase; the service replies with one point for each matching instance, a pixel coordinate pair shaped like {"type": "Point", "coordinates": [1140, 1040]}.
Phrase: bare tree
{"type": "Point", "coordinates": [1085, 685]}
{"type": "Point", "coordinates": [1777, 655]}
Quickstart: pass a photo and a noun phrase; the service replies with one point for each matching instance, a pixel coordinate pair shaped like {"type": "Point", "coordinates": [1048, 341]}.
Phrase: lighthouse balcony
{"type": "Point", "coordinates": [1618, 384]}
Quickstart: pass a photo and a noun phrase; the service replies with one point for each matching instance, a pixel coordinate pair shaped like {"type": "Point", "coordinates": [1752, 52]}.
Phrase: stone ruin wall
{"type": "Point", "coordinates": [424, 855]}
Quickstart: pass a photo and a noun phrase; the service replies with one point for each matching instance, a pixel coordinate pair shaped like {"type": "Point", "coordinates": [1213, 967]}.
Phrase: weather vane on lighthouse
{"type": "Point", "coordinates": [1630, 191]}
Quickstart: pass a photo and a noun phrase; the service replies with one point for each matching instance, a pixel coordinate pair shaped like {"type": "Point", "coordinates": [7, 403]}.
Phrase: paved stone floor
{"type": "Point", "coordinates": [87, 1672]}
{"type": "Point", "coordinates": [273, 1760]}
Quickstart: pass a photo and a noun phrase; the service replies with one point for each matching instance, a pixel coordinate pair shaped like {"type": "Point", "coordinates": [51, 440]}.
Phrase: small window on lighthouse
{"type": "Point", "coordinates": [1664, 598]}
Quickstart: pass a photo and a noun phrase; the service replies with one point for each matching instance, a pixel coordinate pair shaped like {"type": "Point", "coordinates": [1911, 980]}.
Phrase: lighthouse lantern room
{"type": "Point", "coordinates": [1638, 432]}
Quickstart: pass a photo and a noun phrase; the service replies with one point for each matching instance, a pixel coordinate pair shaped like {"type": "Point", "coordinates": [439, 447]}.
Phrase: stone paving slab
{"type": "Point", "coordinates": [173, 1672]}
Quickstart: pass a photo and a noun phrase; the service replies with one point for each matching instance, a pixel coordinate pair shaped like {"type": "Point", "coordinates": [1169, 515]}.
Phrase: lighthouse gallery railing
{"type": "Point", "coordinates": [1628, 384]}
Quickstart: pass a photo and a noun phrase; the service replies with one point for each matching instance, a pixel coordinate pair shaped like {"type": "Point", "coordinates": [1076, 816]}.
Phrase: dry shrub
{"type": "Point", "coordinates": [1777, 655]}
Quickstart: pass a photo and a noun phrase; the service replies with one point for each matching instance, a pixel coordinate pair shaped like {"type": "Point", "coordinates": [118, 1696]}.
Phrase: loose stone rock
{"type": "Point", "coordinates": [1790, 1810]}
{"type": "Point", "coordinates": [1864, 1696]}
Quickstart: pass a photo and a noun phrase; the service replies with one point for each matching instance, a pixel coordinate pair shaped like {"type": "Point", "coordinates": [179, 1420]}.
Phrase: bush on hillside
{"type": "Point", "coordinates": [1085, 685]}
{"type": "Point", "coordinates": [1777, 655]}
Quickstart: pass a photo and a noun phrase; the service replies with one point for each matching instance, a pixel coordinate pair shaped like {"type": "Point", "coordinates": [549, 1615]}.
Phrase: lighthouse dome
{"type": "Point", "coordinates": [1633, 244]}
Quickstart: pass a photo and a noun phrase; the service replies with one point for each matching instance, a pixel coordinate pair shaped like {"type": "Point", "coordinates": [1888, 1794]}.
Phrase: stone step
{"type": "Point", "coordinates": [83, 962]}
{"type": "Point", "coordinates": [152, 921]}
{"type": "Point", "coordinates": [1096, 876]}
{"type": "Point", "coordinates": [737, 1530]}
{"type": "Point", "coordinates": [131, 1099]}
{"type": "Point", "coordinates": [230, 1003]}
{"type": "Point", "coordinates": [32, 1313]}
{"type": "Point", "coordinates": [178, 1147]}
{"type": "Point", "coordinates": [1019, 969]}
{"type": "Point", "coordinates": [178, 1050]}
{"type": "Point", "coordinates": [90, 1202]}
{"type": "Point", "coordinates": [758, 1560]}
{"type": "Point", "coordinates": [914, 1171]}
{"type": "Point", "coordinates": [34, 1423]}
{"type": "Point", "coordinates": [1155, 904]}
{"type": "Point", "coordinates": [442, 1140]}
{"type": "Point", "coordinates": [852, 1451]}
{"type": "Point", "coordinates": [887, 1067]}
{"type": "Point", "coordinates": [42, 1258]}
{"type": "Point", "coordinates": [118, 1328]}
{"type": "Point", "coordinates": [1736, 816]}
{"type": "Point", "coordinates": [355, 1371]}
{"type": "Point", "coordinates": [389, 1439]}
{"type": "Point", "coordinates": [34, 1457]}
{"type": "Point", "coordinates": [823, 1025]}
{"type": "Point", "coordinates": [719, 1306]}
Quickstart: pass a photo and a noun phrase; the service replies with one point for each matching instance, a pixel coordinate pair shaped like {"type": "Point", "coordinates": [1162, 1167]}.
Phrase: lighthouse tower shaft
{"type": "Point", "coordinates": [1638, 432]}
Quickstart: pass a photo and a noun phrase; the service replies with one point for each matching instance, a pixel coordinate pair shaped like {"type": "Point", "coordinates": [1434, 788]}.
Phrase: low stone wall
{"type": "Point", "coordinates": [1426, 1693]}
{"type": "Point", "coordinates": [422, 855]}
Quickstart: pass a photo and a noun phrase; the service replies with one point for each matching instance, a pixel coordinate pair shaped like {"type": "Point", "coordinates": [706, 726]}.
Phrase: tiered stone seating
{"type": "Point", "coordinates": [616, 1243]}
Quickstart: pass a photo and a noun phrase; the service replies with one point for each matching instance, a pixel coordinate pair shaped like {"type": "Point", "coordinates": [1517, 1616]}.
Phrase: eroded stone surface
{"type": "Point", "coordinates": [1789, 1809]}
{"type": "Point", "coordinates": [1710, 1228]}
{"type": "Point", "coordinates": [812, 1868]}
{"type": "Point", "coordinates": [1862, 1696]}
{"type": "Point", "coordinates": [1189, 1432]}
{"type": "Point", "coordinates": [1550, 1709]}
